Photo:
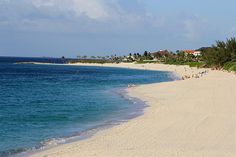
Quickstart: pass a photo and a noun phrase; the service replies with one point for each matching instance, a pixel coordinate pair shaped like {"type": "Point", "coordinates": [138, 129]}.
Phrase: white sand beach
{"type": "Point", "coordinates": [187, 118]}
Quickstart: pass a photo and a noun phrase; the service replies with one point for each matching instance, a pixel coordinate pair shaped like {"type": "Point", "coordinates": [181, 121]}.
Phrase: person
{"type": "Point", "coordinates": [131, 85]}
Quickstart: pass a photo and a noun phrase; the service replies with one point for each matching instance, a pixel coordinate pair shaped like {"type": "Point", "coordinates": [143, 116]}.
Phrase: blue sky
{"type": "Point", "coordinates": [53, 28]}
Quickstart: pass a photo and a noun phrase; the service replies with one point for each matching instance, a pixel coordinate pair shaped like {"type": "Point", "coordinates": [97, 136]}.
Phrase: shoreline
{"type": "Point", "coordinates": [78, 136]}
{"type": "Point", "coordinates": [48, 144]}
{"type": "Point", "coordinates": [181, 120]}
{"type": "Point", "coordinates": [178, 70]}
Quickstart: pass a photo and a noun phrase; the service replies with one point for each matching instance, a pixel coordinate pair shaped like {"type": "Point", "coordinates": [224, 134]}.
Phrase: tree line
{"type": "Point", "coordinates": [221, 55]}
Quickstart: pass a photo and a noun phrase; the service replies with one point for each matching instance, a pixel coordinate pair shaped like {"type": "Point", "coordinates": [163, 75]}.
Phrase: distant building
{"type": "Point", "coordinates": [197, 53]}
{"type": "Point", "coordinates": [160, 54]}
{"type": "Point", "coordinates": [192, 52]}
{"type": "Point", "coordinates": [188, 52]}
{"type": "Point", "coordinates": [128, 58]}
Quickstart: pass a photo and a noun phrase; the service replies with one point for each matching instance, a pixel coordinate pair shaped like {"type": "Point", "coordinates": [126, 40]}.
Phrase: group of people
{"type": "Point", "coordinates": [131, 85]}
{"type": "Point", "coordinates": [198, 75]}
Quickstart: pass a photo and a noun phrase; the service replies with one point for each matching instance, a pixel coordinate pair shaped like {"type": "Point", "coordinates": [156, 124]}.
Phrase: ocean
{"type": "Point", "coordinates": [45, 105]}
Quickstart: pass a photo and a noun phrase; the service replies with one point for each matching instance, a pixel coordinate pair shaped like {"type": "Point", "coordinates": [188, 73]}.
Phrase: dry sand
{"type": "Point", "coordinates": [190, 118]}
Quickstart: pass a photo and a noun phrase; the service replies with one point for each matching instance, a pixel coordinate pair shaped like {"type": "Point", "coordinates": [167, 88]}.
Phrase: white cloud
{"type": "Point", "coordinates": [93, 9]}
{"type": "Point", "coordinates": [94, 16]}
{"type": "Point", "coordinates": [103, 15]}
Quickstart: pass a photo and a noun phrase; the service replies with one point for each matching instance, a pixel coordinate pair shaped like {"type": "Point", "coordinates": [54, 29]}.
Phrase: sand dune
{"type": "Point", "coordinates": [190, 118]}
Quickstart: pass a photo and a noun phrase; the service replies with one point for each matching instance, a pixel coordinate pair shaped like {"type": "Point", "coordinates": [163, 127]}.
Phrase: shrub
{"type": "Point", "coordinates": [195, 64]}
{"type": "Point", "coordinates": [145, 62]}
{"type": "Point", "coordinates": [230, 66]}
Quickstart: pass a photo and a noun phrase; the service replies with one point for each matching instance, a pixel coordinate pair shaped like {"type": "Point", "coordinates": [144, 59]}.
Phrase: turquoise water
{"type": "Point", "coordinates": [39, 103]}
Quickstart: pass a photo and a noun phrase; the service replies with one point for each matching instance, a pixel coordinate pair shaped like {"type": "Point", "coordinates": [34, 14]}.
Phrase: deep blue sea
{"type": "Point", "coordinates": [44, 103]}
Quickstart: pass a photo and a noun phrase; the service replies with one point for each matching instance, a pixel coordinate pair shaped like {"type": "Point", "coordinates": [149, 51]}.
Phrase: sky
{"type": "Point", "coordinates": [55, 28]}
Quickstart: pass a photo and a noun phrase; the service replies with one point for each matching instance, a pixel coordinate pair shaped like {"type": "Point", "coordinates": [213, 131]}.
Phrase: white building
{"type": "Point", "coordinates": [197, 53]}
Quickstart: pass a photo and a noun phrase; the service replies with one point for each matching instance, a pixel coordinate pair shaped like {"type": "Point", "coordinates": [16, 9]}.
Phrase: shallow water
{"type": "Point", "coordinates": [39, 103]}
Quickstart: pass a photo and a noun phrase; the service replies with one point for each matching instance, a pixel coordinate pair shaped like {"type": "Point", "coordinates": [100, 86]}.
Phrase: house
{"type": "Point", "coordinates": [160, 54]}
{"type": "Point", "coordinates": [197, 53]}
{"type": "Point", "coordinates": [188, 52]}
{"type": "Point", "coordinates": [128, 58]}
{"type": "Point", "coordinates": [192, 52]}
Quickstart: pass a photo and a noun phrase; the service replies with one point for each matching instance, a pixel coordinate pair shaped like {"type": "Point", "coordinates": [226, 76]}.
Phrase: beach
{"type": "Point", "coordinates": [184, 118]}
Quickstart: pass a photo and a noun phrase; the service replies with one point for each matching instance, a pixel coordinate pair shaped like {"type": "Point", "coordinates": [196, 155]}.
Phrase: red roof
{"type": "Point", "coordinates": [188, 51]}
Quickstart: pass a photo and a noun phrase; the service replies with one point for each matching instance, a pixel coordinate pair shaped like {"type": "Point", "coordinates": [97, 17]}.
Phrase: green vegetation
{"type": "Point", "coordinates": [230, 66]}
{"type": "Point", "coordinates": [191, 64]}
{"type": "Point", "coordinates": [195, 64]}
{"type": "Point", "coordinates": [221, 55]}
{"type": "Point", "coordinates": [182, 59]}
{"type": "Point", "coordinates": [146, 61]}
